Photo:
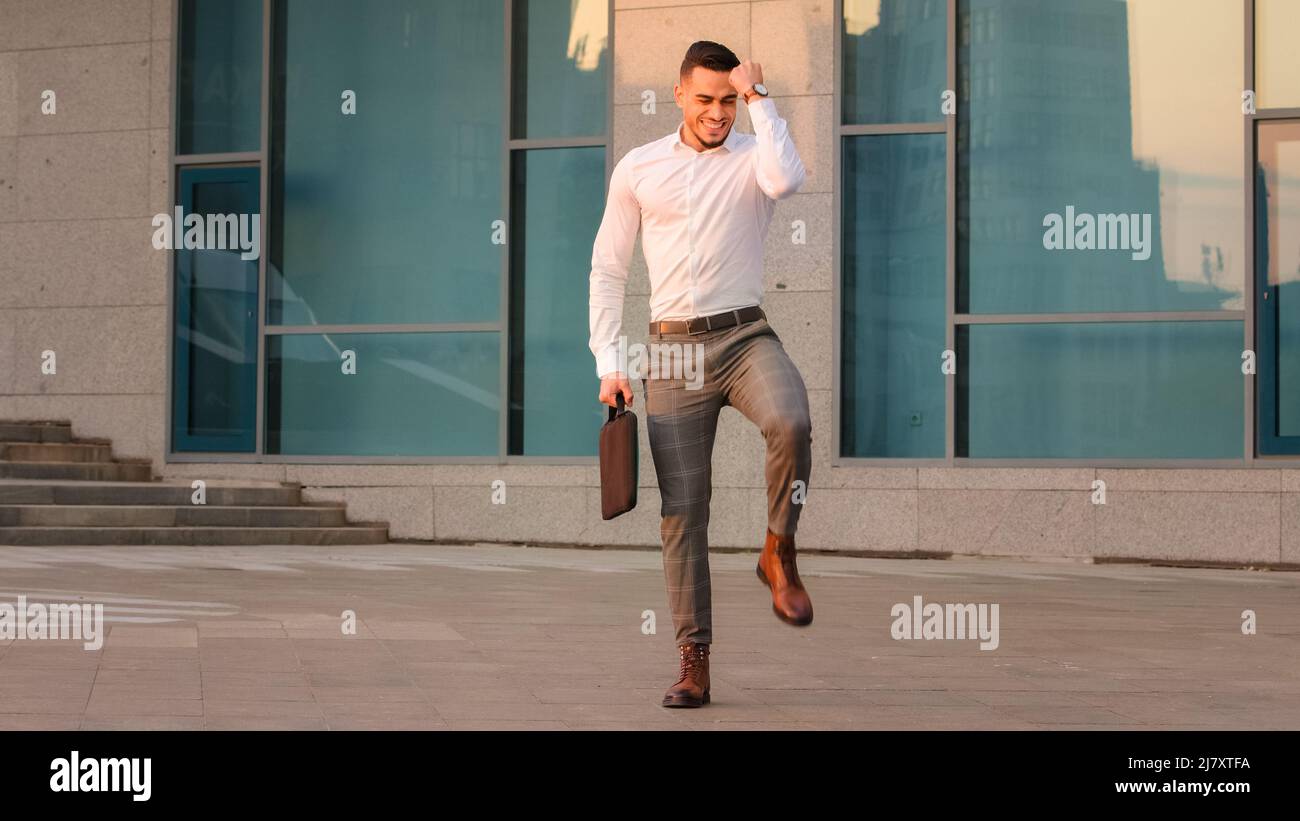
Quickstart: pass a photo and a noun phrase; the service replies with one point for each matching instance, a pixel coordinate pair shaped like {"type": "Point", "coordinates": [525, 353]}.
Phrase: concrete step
{"type": "Point", "coordinates": [220, 493]}
{"type": "Point", "coordinates": [61, 536]}
{"type": "Point", "coordinates": [146, 516]}
{"type": "Point", "coordinates": [55, 452]}
{"type": "Point", "coordinates": [86, 471]}
{"type": "Point", "coordinates": [12, 430]}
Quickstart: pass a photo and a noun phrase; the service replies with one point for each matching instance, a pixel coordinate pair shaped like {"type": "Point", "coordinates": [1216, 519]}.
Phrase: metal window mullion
{"type": "Point", "coordinates": [264, 185]}
{"type": "Point", "coordinates": [173, 133]}
{"type": "Point", "coordinates": [872, 129]}
{"type": "Point", "coordinates": [950, 249]}
{"type": "Point", "coordinates": [837, 225]}
{"type": "Point", "coordinates": [1098, 316]}
{"type": "Point", "coordinates": [503, 298]}
{"type": "Point", "coordinates": [1248, 150]}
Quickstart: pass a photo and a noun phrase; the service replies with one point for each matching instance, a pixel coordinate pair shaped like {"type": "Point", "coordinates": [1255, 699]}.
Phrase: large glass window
{"type": "Point", "coordinates": [387, 394]}
{"type": "Point", "coordinates": [1101, 390]}
{"type": "Point", "coordinates": [892, 296]}
{"type": "Point", "coordinates": [214, 307]}
{"type": "Point", "coordinates": [561, 67]}
{"type": "Point", "coordinates": [1100, 148]}
{"type": "Point", "coordinates": [893, 259]}
{"type": "Point", "coordinates": [385, 215]}
{"type": "Point", "coordinates": [895, 60]}
{"type": "Point", "coordinates": [1277, 256]}
{"type": "Point", "coordinates": [219, 95]}
{"type": "Point", "coordinates": [428, 237]}
{"type": "Point", "coordinates": [1088, 269]}
{"type": "Point", "coordinates": [559, 88]}
{"type": "Point", "coordinates": [1277, 61]}
{"type": "Point", "coordinates": [559, 198]}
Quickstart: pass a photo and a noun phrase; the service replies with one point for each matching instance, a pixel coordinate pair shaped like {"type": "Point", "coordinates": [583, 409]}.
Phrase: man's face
{"type": "Point", "coordinates": [708, 103]}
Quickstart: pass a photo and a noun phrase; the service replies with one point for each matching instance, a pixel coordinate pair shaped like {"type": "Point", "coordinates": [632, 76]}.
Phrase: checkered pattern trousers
{"type": "Point", "coordinates": [746, 367]}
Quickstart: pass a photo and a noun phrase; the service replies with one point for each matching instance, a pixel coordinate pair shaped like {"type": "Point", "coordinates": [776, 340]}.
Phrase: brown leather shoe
{"type": "Point", "coordinates": [692, 687]}
{"type": "Point", "coordinates": [777, 569]}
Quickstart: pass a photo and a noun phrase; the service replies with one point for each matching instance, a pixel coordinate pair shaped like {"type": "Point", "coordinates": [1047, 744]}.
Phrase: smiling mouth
{"type": "Point", "coordinates": [714, 125]}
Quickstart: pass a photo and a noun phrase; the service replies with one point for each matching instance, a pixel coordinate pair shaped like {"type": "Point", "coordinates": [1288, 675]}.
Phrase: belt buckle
{"type": "Point", "coordinates": [708, 326]}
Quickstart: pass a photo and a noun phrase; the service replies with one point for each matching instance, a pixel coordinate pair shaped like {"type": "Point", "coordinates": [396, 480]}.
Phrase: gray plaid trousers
{"type": "Point", "coordinates": [744, 366]}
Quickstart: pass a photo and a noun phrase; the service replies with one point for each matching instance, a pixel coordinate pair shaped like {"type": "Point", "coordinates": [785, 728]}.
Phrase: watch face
{"type": "Point", "coordinates": [760, 89]}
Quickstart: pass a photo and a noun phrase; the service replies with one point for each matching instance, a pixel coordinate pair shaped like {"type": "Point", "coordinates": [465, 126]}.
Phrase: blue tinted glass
{"type": "Point", "coordinates": [386, 215]}
{"type": "Point", "coordinates": [219, 102]}
{"type": "Point", "coordinates": [561, 65]}
{"type": "Point", "coordinates": [1099, 156]}
{"type": "Point", "coordinates": [1277, 255]}
{"type": "Point", "coordinates": [214, 361]}
{"type": "Point", "coordinates": [1101, 390]}
{"type": "Point", "coordinates": [895, 60]}
{"type": "Point", "coordinates": [893, 296]}
{"type": "Point", "coordinates": [559, 198]}
{"type": "Point", "coordinates": [431, 394]}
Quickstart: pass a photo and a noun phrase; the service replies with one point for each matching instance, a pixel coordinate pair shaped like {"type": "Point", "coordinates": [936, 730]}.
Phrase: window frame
{"type": "Point", "coordinates": [260, 159]}
{"type": "Point", "coordinates": [1251, 458]}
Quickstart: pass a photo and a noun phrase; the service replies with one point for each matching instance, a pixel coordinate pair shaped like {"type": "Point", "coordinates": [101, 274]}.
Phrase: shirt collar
{"type": "Point", "coordinates": [729, 143]}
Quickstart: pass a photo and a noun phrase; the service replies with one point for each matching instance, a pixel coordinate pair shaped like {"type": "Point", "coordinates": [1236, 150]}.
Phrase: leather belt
{"type": "Point", "coordinates": [704, 324]}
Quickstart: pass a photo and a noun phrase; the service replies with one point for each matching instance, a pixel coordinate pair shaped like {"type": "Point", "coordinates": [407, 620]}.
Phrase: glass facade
{"type": "Point", "coordinates": [423, 291]}
{"type": "Point", "coordinates": [1095, 299]}
{"type": "Point", "coordinates": [892, 297]}
{"type": "Point", "coordinates": [1099, 153]}
{"type": "Point", "coordinates": [1277, 259]}
{"type": "Point", "coordinates": [1101, 390]}
{"type": "Point", "coordinates": [1277, 62]}
{"type": "Point", "coordinates": [385, 215]}
{"type": "Point", "coordinates": [389, 394]}
{"type": "Point", "coordinates": [219, 90]}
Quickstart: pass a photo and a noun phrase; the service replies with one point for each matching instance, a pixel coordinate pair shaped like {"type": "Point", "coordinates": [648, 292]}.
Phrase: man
{"type": "Point", "coordinates": [703, 198]}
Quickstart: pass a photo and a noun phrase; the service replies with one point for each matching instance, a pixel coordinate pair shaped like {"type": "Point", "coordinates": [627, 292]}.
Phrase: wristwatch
{"type": "Point", "coordinates": [758, 89]}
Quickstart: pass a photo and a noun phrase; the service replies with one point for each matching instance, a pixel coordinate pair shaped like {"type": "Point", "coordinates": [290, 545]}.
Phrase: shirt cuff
{"type": "Point", "coordinates": [607, 362]}
{"type": "Point", "coordinates": [761, 109]}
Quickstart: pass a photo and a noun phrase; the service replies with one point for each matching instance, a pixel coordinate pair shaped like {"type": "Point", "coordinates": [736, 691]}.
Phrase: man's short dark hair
{"type": "Point", "coordinates": [710, 55]}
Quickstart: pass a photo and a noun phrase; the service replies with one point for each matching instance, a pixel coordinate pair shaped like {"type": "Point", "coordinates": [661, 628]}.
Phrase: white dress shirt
{"type": "Point", "coordinates": [703, 217]}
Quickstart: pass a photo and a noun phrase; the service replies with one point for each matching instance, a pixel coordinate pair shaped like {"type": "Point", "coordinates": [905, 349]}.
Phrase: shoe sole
{"type": "Point", "coordinates": [783, 617]}
{"type": "Point", "coordinates": [685, 701]}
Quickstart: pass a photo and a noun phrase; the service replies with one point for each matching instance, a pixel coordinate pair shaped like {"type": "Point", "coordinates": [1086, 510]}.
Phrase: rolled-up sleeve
{"type": "Point", "coordinates": [610, 257]}
{"type": "Point", "coordinates": [779, 170]}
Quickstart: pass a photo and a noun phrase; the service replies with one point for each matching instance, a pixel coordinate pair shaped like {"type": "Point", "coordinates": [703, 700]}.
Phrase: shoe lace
{"type": "Point", "coordinates": [692, 660]}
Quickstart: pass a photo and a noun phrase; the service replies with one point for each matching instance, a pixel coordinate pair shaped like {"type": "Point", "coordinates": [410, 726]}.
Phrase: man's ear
{"type": "Point", "coordinates": [678, 93]}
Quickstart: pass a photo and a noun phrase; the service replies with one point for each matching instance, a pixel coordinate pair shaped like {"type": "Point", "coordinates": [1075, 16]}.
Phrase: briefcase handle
{"type": "Point", "coordinates": [612, 411]}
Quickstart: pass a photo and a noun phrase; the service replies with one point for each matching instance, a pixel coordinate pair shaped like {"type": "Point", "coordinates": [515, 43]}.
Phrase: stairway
{"type": "Point", "coordinates": [58, 490]}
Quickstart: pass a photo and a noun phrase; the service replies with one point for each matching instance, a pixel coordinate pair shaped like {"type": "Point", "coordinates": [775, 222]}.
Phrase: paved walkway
{"type": "Point", "coordinates": [510, 637]}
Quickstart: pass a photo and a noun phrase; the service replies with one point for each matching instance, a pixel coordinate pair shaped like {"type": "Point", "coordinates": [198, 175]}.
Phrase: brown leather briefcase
{"type": "Point", "coordinates": [618, 462]}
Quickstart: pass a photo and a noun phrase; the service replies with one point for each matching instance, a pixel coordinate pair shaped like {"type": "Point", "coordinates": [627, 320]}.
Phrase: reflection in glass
{"type": "Point", "coordinates": [559, 197]}
{"type": "Point", "coordinates": [219, 102]}
{"type": "Point", "coordinates": [895, 60]}
{"type": "Point", "coordinates": [560, 65]}
{"type": "Point", "coordinates": [431, 394]}
{"type": "Point", "coordinates": [893, 296]}
{"type": "Point", "coordinates": [1277, 217]}
{"type": "Point", "coordinates": [1277, 62]}
{"type": "Point", "coordinates": [1123, 114]}
{"type": "Point", "coordinates": [1101, 390]}
{"type": "Point", "coordinates": [386, 215]}
{"type": "Point", "coordinates": [214, 362]}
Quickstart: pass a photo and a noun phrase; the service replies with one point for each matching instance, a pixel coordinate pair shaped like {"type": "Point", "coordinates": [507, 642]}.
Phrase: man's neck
{"type": "Point", "coordinates": [688, 138]}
